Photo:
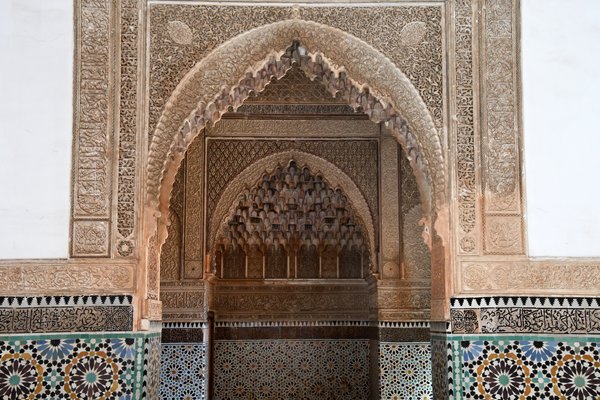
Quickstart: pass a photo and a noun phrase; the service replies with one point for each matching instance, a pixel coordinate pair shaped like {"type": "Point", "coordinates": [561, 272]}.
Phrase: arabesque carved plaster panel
{"type": "Point", "coordinates": [390, 208]}
{"type": "Point", "coordinates": [412, 39]}
{"type": "Point", "coordinates": [503, 234]}
{"type": "Point", "coordinates": [91, 176]}
{"type": "Point", "coordinates": [90, 239]}
{"type": "Point", "coordinates": [528, 276]}
{"type": "Point", "coordinates": [294, 128]}
{"type": "Point", "coordinates": [501, 126]}
{"type": "Point", "coordinates": [257, 301]}
{"type": "Point", "coordinates": [92, 129]}
{"type": "Point", "coordinates": [127, 145]}
{"type": "Point", "coordinates": [465, 124]}
{"type": "Point", "coordinates": [194, 211]}
{"type": "Point", "coordinates": [65, 277]}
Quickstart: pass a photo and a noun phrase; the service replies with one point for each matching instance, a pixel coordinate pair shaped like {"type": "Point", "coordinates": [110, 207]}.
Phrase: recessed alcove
{"type": "Point", "coordinates": [296, 222]}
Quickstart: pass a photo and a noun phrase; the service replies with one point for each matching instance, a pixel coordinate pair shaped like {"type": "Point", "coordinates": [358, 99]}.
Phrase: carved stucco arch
{"type": "Point", "coordinates": [247, 63]}
{"type": "Point", "coordinates": [331, 173]}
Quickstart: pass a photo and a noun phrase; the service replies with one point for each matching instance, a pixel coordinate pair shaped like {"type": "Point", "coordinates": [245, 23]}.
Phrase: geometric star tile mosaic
{"type": "Point", "coordinates": [152, 359]}
{"type": "Point", "coordinates": [530, 367]}
{"type": "Point", "coordinates": [183, 371]}
{"type": "Point", "coordinates": [101, 366]}
{"type": "Point", "coordinates": [405, 371]}
{"type": "Point", "coordinates": [442, 369]}
{"type": "Point", "coordinates": [292, 369]}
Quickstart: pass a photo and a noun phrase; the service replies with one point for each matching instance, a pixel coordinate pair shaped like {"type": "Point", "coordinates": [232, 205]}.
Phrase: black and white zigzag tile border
{"type": "Point", "coordinates": [524, 301]}
{"type": "Point", "coordinates": [184, 325]}
{"type": "Point", "coordinates": [64, 301]}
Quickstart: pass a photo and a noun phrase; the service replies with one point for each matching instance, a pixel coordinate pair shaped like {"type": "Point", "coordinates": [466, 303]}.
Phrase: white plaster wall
{"type": "Point", "coordinates": [36, 53]}
{"type": "Point", "coordinates": [561, 92]}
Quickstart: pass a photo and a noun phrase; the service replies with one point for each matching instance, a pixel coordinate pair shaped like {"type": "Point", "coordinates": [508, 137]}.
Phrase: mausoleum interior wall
{"type": "Point", "coordinates": [508, 86]}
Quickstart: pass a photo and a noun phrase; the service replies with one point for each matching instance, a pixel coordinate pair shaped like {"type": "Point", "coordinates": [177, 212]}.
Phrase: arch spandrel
{"type": "Point", "coordinates": [218, 74]}
{"type": "Point", "coordinates": [335, 176]}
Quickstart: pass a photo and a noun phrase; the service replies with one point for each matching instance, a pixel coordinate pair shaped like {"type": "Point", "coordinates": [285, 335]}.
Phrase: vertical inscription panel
{"type": "Point", "coordinates": [390, 229]}
{"type": "Point", "coordinates": [126, 145]}
{"type": "Point", "coordinates": [501, 128]}
{"type": "Point", "coordinates": [194, 211]}
{"type": "Point", "coordinates": [91, 175]}
{"type": "Point", "coordinates": [467, 174]}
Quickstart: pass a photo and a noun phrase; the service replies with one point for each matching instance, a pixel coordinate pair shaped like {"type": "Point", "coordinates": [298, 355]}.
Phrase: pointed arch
{"type": "Point", "coordinates": [343, 63]}
{"type": "Point", "coordinates": [332, 174]}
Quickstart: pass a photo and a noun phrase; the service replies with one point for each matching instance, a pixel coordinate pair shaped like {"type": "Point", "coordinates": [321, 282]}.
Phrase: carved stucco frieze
{"type": "Point", "coordinates": [393, 298]}
{"type": "Point", "coordinates": [528, 277]}
{"type": "Point", "coordinates": [191, 299]}
{"type": "Point", "coordinates": [302, 302]}
{"type": "Point", "coordinates": [294, 128]}
{"type": "Point", "coordinates": [287, 303]}
{"type": "Point", "coordinates": [66, 278]}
